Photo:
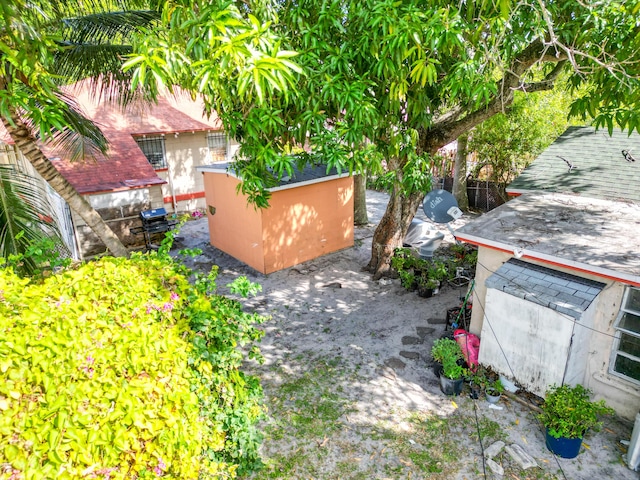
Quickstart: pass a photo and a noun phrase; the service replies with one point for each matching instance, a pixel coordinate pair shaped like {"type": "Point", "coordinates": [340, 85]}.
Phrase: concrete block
{"type": "Point", "coordinates": [521, 457]}
{"type": "Point", "coordinates": [410, 355]}
{"type": "Point", "coordinates": [495, 467]}
{"type": "Point", "coordinates": [493, 449]}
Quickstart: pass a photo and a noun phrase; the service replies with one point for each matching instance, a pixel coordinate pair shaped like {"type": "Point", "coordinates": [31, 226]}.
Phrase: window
{"type": "Point", "coordinates": [153, 149]}
{"type": "Point", "coordinates": [626, 355]}
{"type": "Point", "coordinates": [217, 143]}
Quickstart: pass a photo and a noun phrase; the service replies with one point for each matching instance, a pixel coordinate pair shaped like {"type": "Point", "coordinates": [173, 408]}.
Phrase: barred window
{"type": "Point", "coordinates": [153, 149]}
{"type": "Point", "coordinates": [626, 354]}
{"type": "Point", "coordinates": [217, 143]}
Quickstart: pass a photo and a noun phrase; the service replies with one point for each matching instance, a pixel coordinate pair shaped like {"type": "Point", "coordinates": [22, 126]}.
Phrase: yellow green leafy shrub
{"type": "Point", "coordinates": [122, 369]}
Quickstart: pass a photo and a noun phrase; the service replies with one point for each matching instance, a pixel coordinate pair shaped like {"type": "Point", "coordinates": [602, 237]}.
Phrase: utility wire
{"type": "Point", "coordinates": [484, 466]}
{"type": "Point", "coordinates": [486, 318]}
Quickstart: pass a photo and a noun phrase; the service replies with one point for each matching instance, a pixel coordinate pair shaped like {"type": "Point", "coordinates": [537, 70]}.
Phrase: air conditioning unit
{"type": "Point", "coordinates": [633, 454]}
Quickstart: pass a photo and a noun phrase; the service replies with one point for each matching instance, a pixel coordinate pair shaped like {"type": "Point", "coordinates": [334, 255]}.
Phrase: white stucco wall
{"type": "Point", "coordinates": [592, 343]}
{"type": "Point", "coordinates": [186, 151]}
{"type": "Point", "coordinates": [622, 394]}
{"type": "Point", "coordinates": [123, 201]}
{"type": "Point", "coordinates": [525, 341]}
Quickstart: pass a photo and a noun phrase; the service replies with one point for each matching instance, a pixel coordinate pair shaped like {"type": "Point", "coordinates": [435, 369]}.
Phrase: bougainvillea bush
{"type": "Point", "coordinates": [123, 369]}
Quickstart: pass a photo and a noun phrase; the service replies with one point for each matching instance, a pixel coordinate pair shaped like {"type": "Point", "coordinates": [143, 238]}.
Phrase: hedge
{"type": "Point", "coordinates": [123, 369]}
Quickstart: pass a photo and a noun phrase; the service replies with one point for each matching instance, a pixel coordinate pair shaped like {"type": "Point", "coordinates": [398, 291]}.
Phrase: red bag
{"type": "Point", "coordinates": [470, 346]}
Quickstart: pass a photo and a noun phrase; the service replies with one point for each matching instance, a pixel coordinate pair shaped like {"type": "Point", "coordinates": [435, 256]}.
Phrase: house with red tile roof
{"type": "Point", "coordinates": [151, 163]}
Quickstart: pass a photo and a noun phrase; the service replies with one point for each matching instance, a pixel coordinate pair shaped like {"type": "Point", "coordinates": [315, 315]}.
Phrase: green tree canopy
{"type": "Point", "coordinates": [411, 76]}
{"type": "Point", "coordinates": [508, 142]}
{"type": "Point", "coordinates": [213, 47]}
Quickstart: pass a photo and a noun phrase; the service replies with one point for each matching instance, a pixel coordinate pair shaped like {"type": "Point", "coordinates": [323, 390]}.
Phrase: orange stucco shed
{"type": "Point", "coordinates": [309, 215]}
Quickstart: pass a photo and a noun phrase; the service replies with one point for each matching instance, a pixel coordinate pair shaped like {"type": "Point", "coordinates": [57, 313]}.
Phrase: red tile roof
{"type": "Point", "coordinates": [125, 166]}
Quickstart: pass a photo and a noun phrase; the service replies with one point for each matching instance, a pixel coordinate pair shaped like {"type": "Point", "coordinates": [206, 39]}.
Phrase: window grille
{"type": "Point", "coordinates": [626, 354]}
{"type": "Point", "coordinates": [217, 143]}
{"type": "Point", "coordinates": [153, 149]}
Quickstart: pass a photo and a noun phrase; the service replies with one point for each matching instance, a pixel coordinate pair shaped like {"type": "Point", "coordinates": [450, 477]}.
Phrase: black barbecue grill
{"type": "Point", "coordinates": [153, 221]}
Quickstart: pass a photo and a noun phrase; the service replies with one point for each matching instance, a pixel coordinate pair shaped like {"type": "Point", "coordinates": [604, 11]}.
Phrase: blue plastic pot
{"type": "Point", "coordinates": [563, 447]}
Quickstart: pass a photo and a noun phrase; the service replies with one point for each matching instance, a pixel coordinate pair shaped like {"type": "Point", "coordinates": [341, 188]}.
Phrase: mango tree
{"type": "Point", "coordinates": [410, 76]}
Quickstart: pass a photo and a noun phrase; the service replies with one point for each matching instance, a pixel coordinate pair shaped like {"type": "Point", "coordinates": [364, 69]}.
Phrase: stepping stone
{"type": "Point", "coordinates": [495, 467]}
{"type": "Point", "coordinates": [410, 355]}
{"type": "Point", "coordinates": [411, 341]}
{"type": "Point", "coordinates": [424, 331]}
{"type": "Point", "coordinates": [520, 456]}
{"type": "Point", "coordinates": [395, 363]}
{"type": "Point", "coordinates": [437, 321]}
{"type": "Point", "coordinates": [493, 449]}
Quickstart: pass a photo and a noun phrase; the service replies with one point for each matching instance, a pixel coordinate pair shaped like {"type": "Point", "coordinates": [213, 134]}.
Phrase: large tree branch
{"type": "Point", "coordinates": [547, 83]}
{"type": "Point", "coordinates": [447, 128]}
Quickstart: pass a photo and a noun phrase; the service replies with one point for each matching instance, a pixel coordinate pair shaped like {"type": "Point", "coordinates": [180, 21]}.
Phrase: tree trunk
{"type": "Point", "coordinates": [460, 173]}
{"type": "Point", "coordinates": [360, 200]}
{"type": "Point", "coordinates": [391, 230]}
{"type": "Point", "coordinates": [393, 226]}
{"type": "Point", "coordinates": [27, 144]}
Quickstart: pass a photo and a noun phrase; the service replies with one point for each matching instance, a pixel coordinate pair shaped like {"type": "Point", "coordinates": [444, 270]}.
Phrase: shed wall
{"type": "Point", "coordinates": [306, 222]}
{"type": "Point", "coordinates": [593, 337]}
{"type": "Point", "coordinates": [235, 227]}
{"type": "Point", "coordinates": [120, 210]}
{"type": "Point", "coordinates": [525, 338]}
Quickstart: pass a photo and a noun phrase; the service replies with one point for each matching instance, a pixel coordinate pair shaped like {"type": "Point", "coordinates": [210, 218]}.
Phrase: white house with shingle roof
{"type": "Point", "coordinates": [557, 296]}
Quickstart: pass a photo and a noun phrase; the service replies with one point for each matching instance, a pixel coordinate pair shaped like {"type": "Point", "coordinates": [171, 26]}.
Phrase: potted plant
{"type": "Point", "coordinates": [408, 279]}
{"type": "Point", "coordinates": [447, 352]}
{"type": "Point", "coordinates": [493, 390]}
{"type": "Point", "coordinates": [477, 381]}
{"type": "Point", "coordinates": [426, 286]}
{"type": "Point", "coordinates": [438, 272]}
{"type": "Point", "coordinates": [567, 413]}
{"type": "Point", "coordinates": [404, 262]}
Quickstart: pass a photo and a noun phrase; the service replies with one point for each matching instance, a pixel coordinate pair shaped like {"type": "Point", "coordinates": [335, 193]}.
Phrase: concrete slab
{"type": "Point", "coordinates": [521, 457]}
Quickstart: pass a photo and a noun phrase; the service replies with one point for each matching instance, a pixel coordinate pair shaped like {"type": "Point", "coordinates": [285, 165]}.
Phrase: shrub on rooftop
{"type": "Point", "coordinates": [123, 369]}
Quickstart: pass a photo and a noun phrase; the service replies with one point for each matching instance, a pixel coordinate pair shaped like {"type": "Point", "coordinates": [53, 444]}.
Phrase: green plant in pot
{"type": "Point", "coordinates": [447, 352]}
{"type": "Point", "coordinates": [477, 381]}
{"type": "Point", "coordinates": [427, 285]}
{"type": "Point", "coordinates": [493, 389]}
{"type": "Point", "coordinates": [567, 414]}
{"type": "Point", "coordinates": [408, 279]}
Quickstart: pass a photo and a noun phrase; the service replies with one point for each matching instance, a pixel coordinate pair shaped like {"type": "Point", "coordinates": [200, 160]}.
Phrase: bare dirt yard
{"type": "Point", "coordinates": [349, 386]}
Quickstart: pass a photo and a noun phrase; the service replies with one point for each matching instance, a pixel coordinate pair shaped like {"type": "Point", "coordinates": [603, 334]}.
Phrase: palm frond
{"type": "Point", "coordinates": [26, 216]}
{"type": "Point", "coordinates": [80, 138]}
{"type": "Point", "coordinates": [107, 27]}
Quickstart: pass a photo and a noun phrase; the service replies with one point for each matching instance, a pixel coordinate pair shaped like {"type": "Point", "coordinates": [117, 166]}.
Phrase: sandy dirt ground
{"type": "Point", "coordinates": [368, 344]}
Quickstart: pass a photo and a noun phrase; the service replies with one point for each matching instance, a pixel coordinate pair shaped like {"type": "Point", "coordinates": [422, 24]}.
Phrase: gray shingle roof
{"type": "Point", "coordinates": [309, 173]}
{"type": "Point", "coordinates": [599, 168]}
{"type": "Point", "coordinates": [559, 291]}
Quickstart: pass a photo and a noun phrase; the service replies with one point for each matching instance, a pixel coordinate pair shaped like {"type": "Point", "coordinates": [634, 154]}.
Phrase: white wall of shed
{"type": "Point", "coordinates": [525, 341]}
{"type": "Point", "coordinates": [592, 353]}
{"type": "Point", "coordinates": [121, 200]}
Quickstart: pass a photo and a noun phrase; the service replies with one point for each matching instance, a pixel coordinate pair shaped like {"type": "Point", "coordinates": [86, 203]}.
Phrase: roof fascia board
{"type": "Point", "coordinates": [552, 260]}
